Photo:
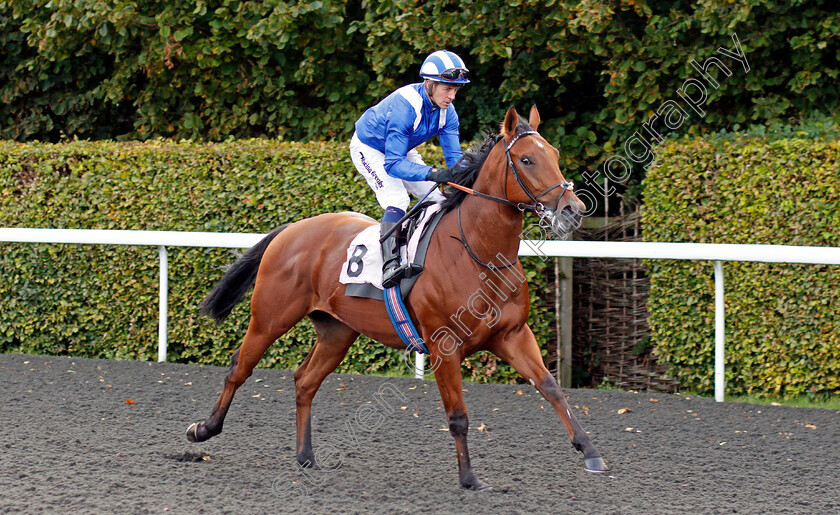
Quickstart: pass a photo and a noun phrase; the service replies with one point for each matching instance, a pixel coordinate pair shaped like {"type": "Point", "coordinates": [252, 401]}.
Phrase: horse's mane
{"type": "Point", "coordinates": [467, 168]}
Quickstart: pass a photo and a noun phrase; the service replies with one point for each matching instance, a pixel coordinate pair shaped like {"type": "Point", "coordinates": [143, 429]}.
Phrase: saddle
{"type": "Point", "coordinates": [362, 269]}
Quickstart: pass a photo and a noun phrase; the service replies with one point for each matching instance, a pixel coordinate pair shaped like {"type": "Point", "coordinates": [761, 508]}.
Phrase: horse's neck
{"type": "Point", "coordinates": [491, 229]}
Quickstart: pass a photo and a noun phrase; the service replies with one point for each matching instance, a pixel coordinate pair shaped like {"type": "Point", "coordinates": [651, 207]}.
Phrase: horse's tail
{"type": "Point", "coordinates": [236, 281]}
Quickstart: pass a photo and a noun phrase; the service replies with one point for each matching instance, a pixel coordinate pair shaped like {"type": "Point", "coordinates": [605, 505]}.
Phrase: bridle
{"type": "Point", "coordinates": [537, 207]}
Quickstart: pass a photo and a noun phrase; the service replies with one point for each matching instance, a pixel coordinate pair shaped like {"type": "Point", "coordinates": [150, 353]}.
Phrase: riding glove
{"type": "Point", "coordinates": [440, 175]}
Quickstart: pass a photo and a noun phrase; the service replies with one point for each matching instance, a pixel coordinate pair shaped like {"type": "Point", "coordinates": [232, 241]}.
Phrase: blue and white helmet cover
{"type": "Point", "coordinates": [440, 61]}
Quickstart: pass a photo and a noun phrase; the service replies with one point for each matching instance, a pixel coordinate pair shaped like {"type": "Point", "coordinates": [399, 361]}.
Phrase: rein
{"type": "Point", "coordinates": [537, 206]}
{"type": "Point", "coordinates": [463, 240]}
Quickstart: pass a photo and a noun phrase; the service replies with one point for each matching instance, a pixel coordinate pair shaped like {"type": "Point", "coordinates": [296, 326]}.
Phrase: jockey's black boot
{"type": "Point", "coordinates": [392, 271]}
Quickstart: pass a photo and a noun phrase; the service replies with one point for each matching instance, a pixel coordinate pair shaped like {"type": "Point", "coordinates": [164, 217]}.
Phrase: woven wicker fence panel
{"type": "Point", "coordinates": [611, 333]}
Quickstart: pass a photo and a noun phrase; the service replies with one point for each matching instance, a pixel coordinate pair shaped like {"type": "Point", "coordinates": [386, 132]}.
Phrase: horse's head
{"type": "Point", "coordinates": [533, 176]}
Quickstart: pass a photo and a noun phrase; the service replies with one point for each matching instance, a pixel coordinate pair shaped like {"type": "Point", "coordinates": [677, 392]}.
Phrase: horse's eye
{"type": "Point", "coordinates": [525, 161]}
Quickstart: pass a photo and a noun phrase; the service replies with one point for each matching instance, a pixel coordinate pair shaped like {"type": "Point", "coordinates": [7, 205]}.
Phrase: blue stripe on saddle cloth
{"type": "Point", "coordinates": [402, 322]}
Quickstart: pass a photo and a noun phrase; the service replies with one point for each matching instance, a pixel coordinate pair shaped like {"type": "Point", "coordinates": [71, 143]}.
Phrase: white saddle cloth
{"type": "Point", "coordinates": [364, 257]}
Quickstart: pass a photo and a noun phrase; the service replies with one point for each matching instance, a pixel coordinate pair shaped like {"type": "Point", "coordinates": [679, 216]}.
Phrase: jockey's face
{"type": "Point", "coordinates": [443, 94]}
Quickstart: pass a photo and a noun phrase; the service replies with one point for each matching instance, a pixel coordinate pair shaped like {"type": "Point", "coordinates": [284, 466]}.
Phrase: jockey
{"type": "Point", "coordinates": [382, 148]}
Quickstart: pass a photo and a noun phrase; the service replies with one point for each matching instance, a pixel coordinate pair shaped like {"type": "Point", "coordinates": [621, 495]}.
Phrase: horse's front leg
{"type": "Point", "coordinates": [448, 377]}
{"type": "Point", "coordinates": [520, 349]}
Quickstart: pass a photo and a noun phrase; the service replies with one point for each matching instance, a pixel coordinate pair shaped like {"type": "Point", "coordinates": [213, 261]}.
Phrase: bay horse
{"type": "Point", "coordinates": [295, 273]}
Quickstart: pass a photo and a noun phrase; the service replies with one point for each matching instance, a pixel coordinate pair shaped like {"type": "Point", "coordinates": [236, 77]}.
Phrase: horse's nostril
{"type": "Point", "coordinates": [570, 213]}
{"type": "Point", "coordinates": [572, 216]}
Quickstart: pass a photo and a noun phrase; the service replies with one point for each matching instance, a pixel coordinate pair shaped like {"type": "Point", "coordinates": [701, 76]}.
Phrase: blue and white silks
{"type": "Point", "coordinates": [401, 121]}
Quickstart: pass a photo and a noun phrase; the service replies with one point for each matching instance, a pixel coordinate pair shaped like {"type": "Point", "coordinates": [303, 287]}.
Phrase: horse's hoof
{"type": "Point", "coordinates": [595, 465]}
{"type": "Point", "coordinates": [191, 433]}
{"type": "Point", "coordinates": [197, 433]}
{"type": "Point", "coordinates": [478, 486]}
{"type": "Point", "coordinates": [308, 464]}
{"type": "Point", "coordinates": [481, 487]}
{"type": "Point", "coordinates": [475, 484]}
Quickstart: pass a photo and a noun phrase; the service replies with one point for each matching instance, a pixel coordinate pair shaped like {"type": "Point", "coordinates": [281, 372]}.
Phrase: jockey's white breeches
{"type": "Point", "coordinates": [390, 191]}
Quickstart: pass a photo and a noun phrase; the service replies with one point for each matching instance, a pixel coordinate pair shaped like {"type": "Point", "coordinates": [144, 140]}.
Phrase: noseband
{"type": "Point", "coordinates": [537, 207]}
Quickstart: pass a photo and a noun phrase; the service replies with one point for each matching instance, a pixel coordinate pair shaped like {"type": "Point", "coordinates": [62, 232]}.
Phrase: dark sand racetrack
{"type": "Point", "coordinates": [71, 443]}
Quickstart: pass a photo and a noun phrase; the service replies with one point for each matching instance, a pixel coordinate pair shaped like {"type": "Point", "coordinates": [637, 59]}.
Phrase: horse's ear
{"type": "Point", "coordinates": [534, 118]}
{"type": "Point", "coordinates": [509, 125]}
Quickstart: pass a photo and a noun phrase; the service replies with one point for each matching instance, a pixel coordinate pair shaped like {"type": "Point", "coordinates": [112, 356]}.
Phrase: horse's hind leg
{"type": "Point", "coordinates": [333, 342]}
{"type": "Point", "coordinates": [267, 324]}
{"type": "Point", "coordinates": [523, 354]}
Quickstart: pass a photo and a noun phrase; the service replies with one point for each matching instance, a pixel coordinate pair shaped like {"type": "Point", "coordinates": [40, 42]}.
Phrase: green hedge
{"type": "Point", "coordinates": [782, 320]}
{"type": "Point", "coordinates": [101, 301]}
{"type": "Point", "coordinates": [142, 69]}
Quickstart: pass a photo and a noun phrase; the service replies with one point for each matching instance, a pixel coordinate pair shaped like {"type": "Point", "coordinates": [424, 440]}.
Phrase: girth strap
{"type": "Point", "coordinates": [402, 322]}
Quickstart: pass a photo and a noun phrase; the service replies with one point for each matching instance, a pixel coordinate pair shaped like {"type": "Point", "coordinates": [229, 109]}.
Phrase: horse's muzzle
{"type": "Point", "coordinates": [560, 221]}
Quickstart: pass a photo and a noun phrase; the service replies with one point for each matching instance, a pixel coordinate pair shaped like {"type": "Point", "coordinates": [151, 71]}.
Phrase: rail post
{"type": "Point", "coordinates": [720, 333]}
{"type": "Point", "coordinates": [419, 365]}
{"type": "Point", "coordinates": [164, 303]}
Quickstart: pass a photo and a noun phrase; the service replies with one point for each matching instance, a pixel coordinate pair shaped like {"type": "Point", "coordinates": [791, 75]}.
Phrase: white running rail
{"type": "Point", "coordinates": [717, 253]}
{"type": "Point", "coordinates": [159, 239]}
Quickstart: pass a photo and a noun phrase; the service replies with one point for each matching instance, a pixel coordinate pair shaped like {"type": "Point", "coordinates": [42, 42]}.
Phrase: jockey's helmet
{"type": "Point", "coordinates": [445, 66]}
